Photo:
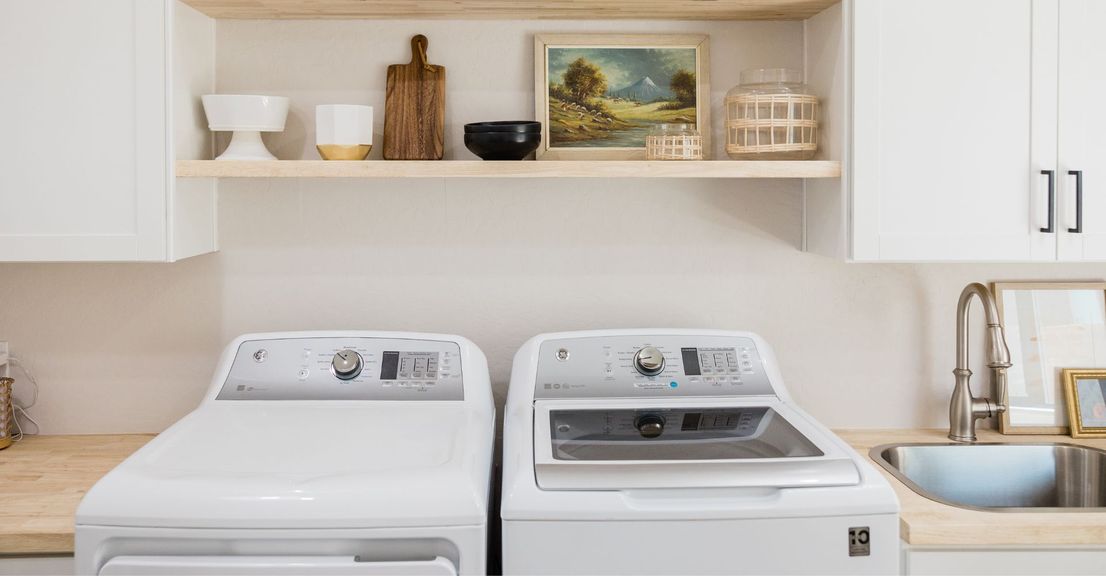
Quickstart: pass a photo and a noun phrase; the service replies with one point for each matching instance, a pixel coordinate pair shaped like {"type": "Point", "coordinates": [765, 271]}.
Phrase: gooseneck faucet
{"type": "Point", "coordinates": [964, 410]}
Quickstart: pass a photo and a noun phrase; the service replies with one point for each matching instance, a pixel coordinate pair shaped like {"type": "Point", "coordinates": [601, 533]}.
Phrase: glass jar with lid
{"type": "Point", "coordinates": [771, 115]}
{"type": "Point", "coordinates": [673, 142]}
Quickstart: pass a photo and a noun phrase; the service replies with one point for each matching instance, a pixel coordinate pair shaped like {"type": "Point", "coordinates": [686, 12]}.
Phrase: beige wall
{"type": "Point", "coordinates": [128, 348]}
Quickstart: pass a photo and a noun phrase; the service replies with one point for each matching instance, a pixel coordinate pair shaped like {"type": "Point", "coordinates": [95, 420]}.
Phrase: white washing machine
{"type": "Point", "coordinates": [312, 453]}
{"type": "Point", "coordinates": [679, 452]}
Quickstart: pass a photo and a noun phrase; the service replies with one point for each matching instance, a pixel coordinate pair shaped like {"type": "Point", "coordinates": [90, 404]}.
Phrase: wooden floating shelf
{"type": "Point", "coordinates": [514, 9]}
{"type": "Point", "coordinates": [521, 169]}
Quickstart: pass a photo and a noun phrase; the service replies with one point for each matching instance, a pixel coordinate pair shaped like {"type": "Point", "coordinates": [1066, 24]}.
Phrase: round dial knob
{"type": "Point", "coordinates": [650, 425]}
{"type": "Point", "coordinates": [347, 364]}
{"type": "Point", "coordinates": [649, 361]}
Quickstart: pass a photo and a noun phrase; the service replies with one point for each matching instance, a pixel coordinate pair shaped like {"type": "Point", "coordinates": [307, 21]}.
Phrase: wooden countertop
{"type": "Point", "coordinates": [925, 522]}
{"type": "Point", "coordinates": [43, 478]}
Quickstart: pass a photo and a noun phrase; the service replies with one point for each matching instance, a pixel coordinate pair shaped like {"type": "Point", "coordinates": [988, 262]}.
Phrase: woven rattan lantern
{"type": "Point", "coordinates": [771, 115]}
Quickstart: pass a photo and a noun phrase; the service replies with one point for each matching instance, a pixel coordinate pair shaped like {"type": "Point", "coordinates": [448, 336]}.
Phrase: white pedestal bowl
{"type": "Point", "coordinates": [247, 116]}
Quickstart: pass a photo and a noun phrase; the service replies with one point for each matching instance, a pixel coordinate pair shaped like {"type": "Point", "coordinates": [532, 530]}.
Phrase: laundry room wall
{"type": "Point", "coordinates": [131, 347]}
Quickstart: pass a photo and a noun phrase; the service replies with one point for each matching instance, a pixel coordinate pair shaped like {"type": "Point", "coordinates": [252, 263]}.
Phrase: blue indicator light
{"type": "Point", "coordinates": [673, 384]}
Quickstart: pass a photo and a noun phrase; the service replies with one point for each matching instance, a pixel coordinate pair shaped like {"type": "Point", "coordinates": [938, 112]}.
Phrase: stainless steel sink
{"type": "Point", "coordinates": [1001, 477]}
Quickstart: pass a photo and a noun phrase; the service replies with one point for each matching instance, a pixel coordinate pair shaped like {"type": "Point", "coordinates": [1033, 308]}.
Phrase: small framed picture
{"type": "Point", "coordinates": [599, 95]}
{"type": "Point", "coordinates": [1086, 395]}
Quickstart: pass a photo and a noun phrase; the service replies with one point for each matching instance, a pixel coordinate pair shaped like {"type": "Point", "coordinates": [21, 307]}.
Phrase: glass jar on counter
{"type": "Point", "coordinates": [771, 115]}
{"type": "Point", "coordinates": [673, 142]}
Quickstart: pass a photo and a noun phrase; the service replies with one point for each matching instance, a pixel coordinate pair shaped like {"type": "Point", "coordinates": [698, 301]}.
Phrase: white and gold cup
{"type": "Point", "coordinates": [343, 131]}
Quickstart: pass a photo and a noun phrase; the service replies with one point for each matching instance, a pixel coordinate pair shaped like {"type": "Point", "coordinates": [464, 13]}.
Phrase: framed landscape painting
{"type": "Point", "coordinates": [598, 95]}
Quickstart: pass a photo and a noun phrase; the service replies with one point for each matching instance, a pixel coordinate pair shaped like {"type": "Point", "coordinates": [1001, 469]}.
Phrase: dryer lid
{"type": "Point", "coordinates": [665, 445]}
{"type": "Point", "coordinates": [305, 465]}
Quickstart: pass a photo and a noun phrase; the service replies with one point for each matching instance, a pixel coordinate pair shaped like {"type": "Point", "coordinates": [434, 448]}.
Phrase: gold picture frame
{"type": "Point", "coordinates": [1085, 391]}
{"type": "Point", "coordinates": [1048, 325]}
{"type": "Point", "coordinates": [581, 122]}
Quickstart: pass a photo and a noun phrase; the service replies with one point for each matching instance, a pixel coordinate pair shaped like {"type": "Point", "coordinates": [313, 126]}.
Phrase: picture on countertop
{"type": "Point", "coordinates": [1092, 402]}
{"type": "Point", "coordinates": [601, 95]}
{"type": "Point", "coordinates": [1048, 325]}
{"type": "Point", "coordinates": [1085, 391]}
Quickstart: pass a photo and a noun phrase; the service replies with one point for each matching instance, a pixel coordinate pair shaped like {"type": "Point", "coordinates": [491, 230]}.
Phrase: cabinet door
{"type": "Point", "coordinates": [953, 121]}
{"type": "Point", "coordinates": [1082, 129]}
{"type": "Point", "coordinates": [83, 152]}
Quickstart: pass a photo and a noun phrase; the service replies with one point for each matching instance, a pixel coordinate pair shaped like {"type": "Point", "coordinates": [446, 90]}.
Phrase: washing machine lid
{"type": "Point", "coordinates": [699, 444]}
{"type": "Point", "coordinates": [305, 465]}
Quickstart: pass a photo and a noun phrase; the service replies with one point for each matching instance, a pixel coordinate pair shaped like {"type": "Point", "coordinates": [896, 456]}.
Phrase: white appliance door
{"type": "Point", "coordinates": [270, 565]}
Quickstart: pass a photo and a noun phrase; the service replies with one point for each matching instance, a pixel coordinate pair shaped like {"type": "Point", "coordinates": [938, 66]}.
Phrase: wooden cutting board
{"type": "Point", "coordinates": [414, 108]}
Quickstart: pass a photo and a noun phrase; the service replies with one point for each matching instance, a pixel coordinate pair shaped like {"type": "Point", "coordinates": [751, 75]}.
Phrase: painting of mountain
{"type": "Point", "coordinates": [644, 90]}
{"type": "Point", "coordinates": [610, 97]}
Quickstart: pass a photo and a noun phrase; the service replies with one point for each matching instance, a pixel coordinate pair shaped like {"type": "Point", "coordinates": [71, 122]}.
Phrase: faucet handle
{"type": "Point", "coordinates": [1002, 403]}
{"type": "Point", "coordinates": [999, 354]}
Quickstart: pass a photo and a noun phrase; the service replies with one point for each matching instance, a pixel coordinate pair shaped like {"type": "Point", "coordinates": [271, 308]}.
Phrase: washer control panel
{"type": "Point", "coordinates": [345, 369]}
{"type": "Point", "coordinates": [650, 366]}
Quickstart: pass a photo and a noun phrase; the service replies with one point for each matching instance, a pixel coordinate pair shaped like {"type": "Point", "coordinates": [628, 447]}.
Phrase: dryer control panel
{"type": "Point", "coordinates": [345, 369]}
{"type": "Point", "coordinates": [650, 366]}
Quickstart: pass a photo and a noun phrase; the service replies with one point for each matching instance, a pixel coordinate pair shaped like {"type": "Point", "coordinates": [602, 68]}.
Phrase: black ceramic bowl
{"type": "Point", "coordinates": [502, 145]}
{"type": "Point", "coordinates": [520, 126]}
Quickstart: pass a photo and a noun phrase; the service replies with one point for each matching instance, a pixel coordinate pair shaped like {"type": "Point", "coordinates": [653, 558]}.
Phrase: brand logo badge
{"type": "Point", "coordinates": [860, 541]}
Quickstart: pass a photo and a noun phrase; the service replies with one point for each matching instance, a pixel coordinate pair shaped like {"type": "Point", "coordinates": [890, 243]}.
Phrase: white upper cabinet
{"type": "Point", "coordinates": [87, 150]}
{"type": "Point", "coordinates": [972, 132]}
{"type": "Point", "coordinates": [953, 122]}
{"type": "Point", "coordinates": [1082, 129]}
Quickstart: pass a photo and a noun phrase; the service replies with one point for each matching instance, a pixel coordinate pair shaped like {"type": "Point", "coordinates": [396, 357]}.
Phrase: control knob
{"type": "Point", "coordinates": [649, 361]}
{"type": "Point", "coordinates": [347, 364]}
{"type": "Point", "coordinates": [650, 425]}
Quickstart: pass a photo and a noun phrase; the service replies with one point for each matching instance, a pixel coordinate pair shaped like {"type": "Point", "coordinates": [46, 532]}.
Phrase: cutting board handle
{"type": "Point", "coordinates": [418, 51]}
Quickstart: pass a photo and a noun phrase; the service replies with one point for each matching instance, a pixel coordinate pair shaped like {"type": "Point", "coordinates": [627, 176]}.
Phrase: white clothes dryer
{"type": "Point", "coordinates": [311, 453]}
{"type": "Point", "coordinates": [679, 452]}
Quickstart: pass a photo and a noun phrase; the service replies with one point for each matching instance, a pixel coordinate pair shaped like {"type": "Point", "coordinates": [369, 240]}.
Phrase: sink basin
{"type": "Point", "coordinates": [1001, 477]}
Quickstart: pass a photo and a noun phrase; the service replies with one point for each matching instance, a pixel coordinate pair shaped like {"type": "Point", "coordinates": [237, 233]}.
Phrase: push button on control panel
{"type": "Point", "coordinates": [718, 361]}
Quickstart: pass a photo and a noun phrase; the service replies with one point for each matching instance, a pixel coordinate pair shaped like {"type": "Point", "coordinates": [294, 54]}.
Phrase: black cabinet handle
{"type": "Point", "coordinates": [1078, 201]}
{"type": "Point", "coordinates": [1051, 201]}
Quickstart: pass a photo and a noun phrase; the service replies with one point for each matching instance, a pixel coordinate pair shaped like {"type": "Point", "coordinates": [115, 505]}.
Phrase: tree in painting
{"type": "Point", "coordinates": [683, 85]}
{"type": "Point", "coordinates": [584, 80]}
